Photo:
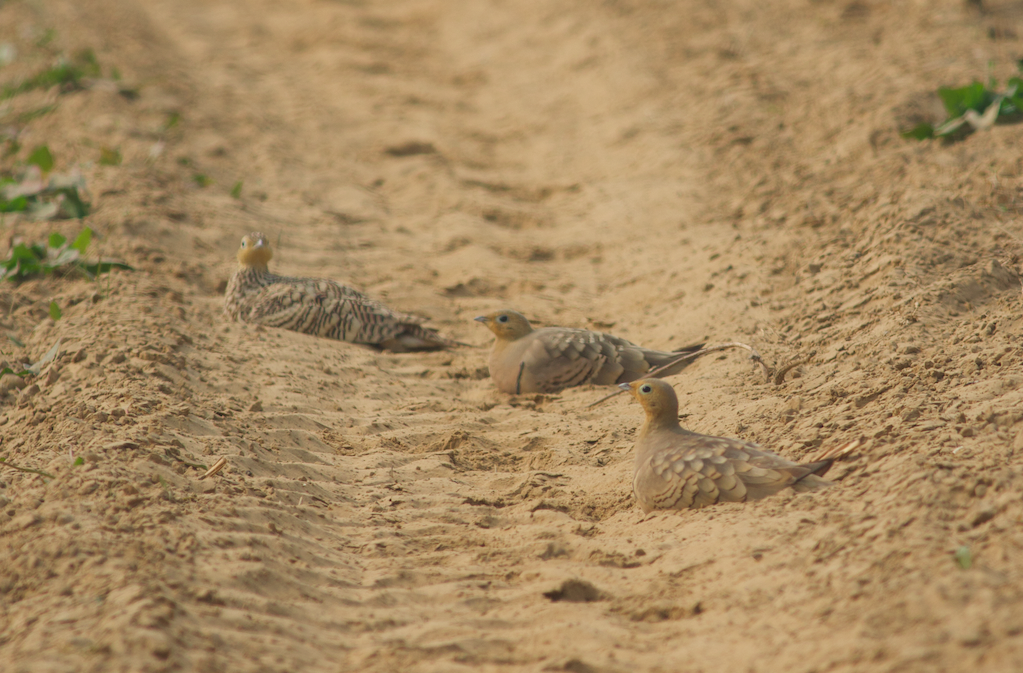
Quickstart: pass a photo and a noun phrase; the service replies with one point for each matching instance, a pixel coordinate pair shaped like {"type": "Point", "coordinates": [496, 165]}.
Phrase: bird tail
{"type": "Point", "coordinates": [418, 338]}
{"type": "Point", "coordinates": [668, 364]}
{"type": "Point", "coordinates": [813, 479]}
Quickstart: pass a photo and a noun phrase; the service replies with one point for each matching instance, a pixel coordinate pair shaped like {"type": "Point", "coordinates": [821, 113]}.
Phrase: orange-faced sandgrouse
{"type": "Point", "coordinates": [679, 469]}
{"type": "Point", "coordinates": [318, 306]}
{"type": "Point", "coordinates": [549, 359]}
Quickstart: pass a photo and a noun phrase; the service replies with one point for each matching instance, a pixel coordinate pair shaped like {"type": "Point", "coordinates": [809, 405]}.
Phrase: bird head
{"type": "Point", "coordinates": [506, 325]}
{"type": "Point", "coordinates": [657, 398]}
{"type": "Point", "coordinates": [254, 250]}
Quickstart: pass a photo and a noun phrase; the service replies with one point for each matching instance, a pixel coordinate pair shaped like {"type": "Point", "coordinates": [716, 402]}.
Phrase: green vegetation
{"type": "Point", "coordinates": [964, 557]}
{"type": "Point", "coordinates": [68, 75]}
{"type": "Point", "coordinates": [3, 461]}
{"type": "Point", "coordinates": [974, 107]}
{"type": "Point", "coordinates": [42, 158]}
{"type": "Point", "coordinates": [56, 255]}
{"type": "Point", "coordinates": [56, 198]}
{"type": "Point", "coordinates": [109, 157]}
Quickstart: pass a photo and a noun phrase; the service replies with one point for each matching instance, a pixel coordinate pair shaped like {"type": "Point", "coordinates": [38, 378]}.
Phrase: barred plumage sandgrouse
{"type": "Point", "coordinates": [319, 307]}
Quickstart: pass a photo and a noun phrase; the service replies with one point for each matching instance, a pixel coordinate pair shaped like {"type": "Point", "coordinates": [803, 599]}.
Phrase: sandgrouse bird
{"type": "Point", "coordinates": [549, 359]}
{"type": "Point", "coordinates": [317, 306]}
{"type": "Point", "coordinates": [679, 469]}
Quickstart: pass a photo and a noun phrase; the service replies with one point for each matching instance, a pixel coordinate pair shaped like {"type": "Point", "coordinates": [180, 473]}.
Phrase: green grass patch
{"type": "Point", "coordinates": [56, 255]}
{"type": "Point", "coordinates": [26, 117]}
{"type": "Point", "coordinates": [973, 107]}
{"type": "Point", "coordinates": [69, 75]}
{"type": "Point", "coordinates": [3, 461]}
{"type": "Point", "coordinates": [58, 197]}
{"type": "Point", "coordinates": [42, 158]}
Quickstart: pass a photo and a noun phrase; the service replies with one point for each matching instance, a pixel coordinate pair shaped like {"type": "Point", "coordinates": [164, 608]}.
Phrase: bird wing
{"type": "Point", "coordinates": [327, 309]}
{"type": "Point", "coordinates": [615, 360]}
{"type": "Point", "coordinates": [559, 358]}
{"type": "Point", "coordinates": [690, 470]}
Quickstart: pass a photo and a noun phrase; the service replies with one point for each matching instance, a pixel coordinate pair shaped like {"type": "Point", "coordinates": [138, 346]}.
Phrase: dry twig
{"type": "Point", "coordinates": [838, 452]}
{"type": "Point", "coordinates": [217, 467]}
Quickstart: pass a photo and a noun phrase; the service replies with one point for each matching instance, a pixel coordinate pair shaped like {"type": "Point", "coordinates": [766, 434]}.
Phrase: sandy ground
{"type": "Point", "coordinates": [666, 171]}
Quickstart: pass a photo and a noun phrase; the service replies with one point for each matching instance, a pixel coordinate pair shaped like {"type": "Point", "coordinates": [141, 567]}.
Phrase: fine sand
{"type": "Point", "coordinates": [669, 172]}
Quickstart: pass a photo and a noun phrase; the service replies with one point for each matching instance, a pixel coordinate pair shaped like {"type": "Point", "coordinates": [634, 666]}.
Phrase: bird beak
{"type": "Point", "coordinates": [480, 318]}
{"type": "Point", "coordinates": [625, 386]}
{"type": "Point", "coordinates": [259, 244]}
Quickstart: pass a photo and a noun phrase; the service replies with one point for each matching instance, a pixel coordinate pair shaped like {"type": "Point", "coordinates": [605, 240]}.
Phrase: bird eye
{"type": "Point", "coordinates": [245, 244]}
{"type": "Point", "coordinates": [502, 318]}
{"type": "Point", "coordinates": [645, 388]}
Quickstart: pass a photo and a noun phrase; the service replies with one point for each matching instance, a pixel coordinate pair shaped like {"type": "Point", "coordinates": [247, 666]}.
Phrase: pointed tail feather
{"type": "Point", "coordinates": [667, 364]}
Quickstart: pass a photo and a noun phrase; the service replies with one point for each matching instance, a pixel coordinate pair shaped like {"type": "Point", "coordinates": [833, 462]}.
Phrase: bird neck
{"type": "Point", "coordinates": [506, 340]}
{"type": "Point", "coordinates": [661, 419]}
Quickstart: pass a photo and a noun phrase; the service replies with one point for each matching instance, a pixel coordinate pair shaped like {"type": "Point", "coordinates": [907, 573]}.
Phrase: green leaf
{"type": "Point", "coordinates": [72, 206]}
{"type": "Point", "coordinates": [109, 157]}
{"type": "Point", "coordinates": [964, 557]}
{"type": "Point", "coordinates": [202, 179]}
{"type": "Point", "coordinates": [56, 240]}
{"type": "Point", "coordinates": [79, 461]}
{"type": "Point", "coordinates": [42, 158]}
{"type": "Point", "coordinates": [17, 204]}
{"type": "Point", "coordinates": [236, 191]}
{"type": "Point", "coordinates": [971, 97]}
{"type": "Point", "coordinates": [173, 119]}
{"type": "Point", "coordinates": [25, 259]}
{"type": "Point", "coordinates": [921, 131]}
{"type": "Point", "coordinates": [82, 240]}
{"type": "Point", "coordinates": [55, 311]}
